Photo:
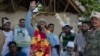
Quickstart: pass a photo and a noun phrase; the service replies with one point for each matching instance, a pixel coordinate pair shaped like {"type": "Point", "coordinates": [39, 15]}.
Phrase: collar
{"type": "Point", "coordinates": [96, 30]}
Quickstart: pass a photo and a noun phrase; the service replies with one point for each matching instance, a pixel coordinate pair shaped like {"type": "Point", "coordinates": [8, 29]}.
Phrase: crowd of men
{"type": "Point", "coordinates": [86, 42]}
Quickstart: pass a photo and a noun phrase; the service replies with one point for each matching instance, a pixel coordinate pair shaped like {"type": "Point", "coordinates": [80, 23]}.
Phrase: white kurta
{"type": "Point", "coordinates": [80, 42]}
{"type": "Point", "coordinates": [9, 38]}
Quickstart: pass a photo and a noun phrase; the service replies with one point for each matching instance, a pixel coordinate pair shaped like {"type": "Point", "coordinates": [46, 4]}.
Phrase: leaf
{"type": "Point", "coordinates": [90, 5]}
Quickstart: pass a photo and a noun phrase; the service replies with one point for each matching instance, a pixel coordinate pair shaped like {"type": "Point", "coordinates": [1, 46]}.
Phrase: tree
{"type": "Point", "coordinates": [90, 5]}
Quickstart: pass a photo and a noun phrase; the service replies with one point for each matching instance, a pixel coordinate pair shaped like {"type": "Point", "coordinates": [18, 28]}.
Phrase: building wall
{"type": "Point", "coordinates": [14, 17]}
{"type": "Point", "coordinates": [59, 19]}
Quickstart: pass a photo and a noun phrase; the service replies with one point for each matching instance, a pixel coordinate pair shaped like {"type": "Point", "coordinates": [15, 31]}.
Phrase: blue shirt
{"type": "Point", "coordinates": [28, 23]}
{"type": "Point", "coordinates": [18, 54]}
{"type": "Point", "coordinates": [52, 39]}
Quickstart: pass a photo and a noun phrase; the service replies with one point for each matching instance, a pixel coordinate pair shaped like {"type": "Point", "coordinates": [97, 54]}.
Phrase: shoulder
{"type": "Point", "coordinates": [55, 35]}
{"type": "Point", "coordinates": [73, 34]}
{"type": "Point", "coordinates": [16, 26]}
{"type": "Point", "coordinates": [88, 34]}
{"type": "Point", "coordinates": [78, 34]}
{"type": "Point", "coordinates": [63, 34]}
{"type": "Point", "coordinates": [11, 31]}
{"type": "Point", "coordinates": [64, 53]}
{"type": "Point", "coordinates": [98, 31]}
{"type": "Point", "coordinates": [21, 53]}
{"type": "Point", "coordinates": [8, 54]}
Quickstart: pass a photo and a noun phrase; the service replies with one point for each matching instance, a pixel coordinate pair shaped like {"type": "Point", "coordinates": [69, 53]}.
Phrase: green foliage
{"type": "Point", "coordinates": [90, 5]}
{"type": "Point", "coordinates": [40, 7]}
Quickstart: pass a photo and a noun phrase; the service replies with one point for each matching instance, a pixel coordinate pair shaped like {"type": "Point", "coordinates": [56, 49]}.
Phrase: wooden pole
{"type": "Point", "coordinates": [13, 5]}
{"type": "Point", "coordinates": [50, 5]}
{"type": "Point", "coordinates": [66, 7]}
{"type": "Point", "coordinates": [44, 4]}
{"type": "Point", "coordinates": [71, 2]}
{"type": "Point", "coordinates": [54, 6]}
{"type": "Point", "coordinates": [34, 15]}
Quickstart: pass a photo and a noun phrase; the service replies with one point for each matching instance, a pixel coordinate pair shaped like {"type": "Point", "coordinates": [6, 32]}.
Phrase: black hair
{"type": "Point", "coordinates": [21, 20]}
{"type": "Point", "coordinates": [87, 22]}
{"type": "Point", "coordinates": [50, 25]}
{"type": "Point", "coordinates": [32, 0]}
{"type": "Point", "coordinates": [12, 42]}
{"type": "Point", "coordinates": [39, 27]}
{"type": "Point", "coordinates": [67, 26]}
{"type": "Point", "coordinates": [35, 1]}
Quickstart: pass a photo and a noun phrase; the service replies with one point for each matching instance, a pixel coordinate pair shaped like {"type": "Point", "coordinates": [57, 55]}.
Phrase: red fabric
{"type": "Point", "coordinates": [37, 46]}
{"type": "Point", "coordinates": [37, 32]}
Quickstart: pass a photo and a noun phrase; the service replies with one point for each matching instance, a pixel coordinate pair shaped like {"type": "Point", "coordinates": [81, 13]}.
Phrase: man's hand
{"type": "Point", "coordinates": [32, 5]}
{"type": "Point", "coordinates": [43, 28]}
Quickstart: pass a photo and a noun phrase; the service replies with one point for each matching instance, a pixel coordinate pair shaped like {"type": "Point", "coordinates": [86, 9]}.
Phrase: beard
{"type": "Point", "coordinates": [84, 31]}
{"type": "Point", "coordinates": [7, 29]}
{"type": "Point", "coordinates": [22, 26]}
{"type": "Point", "coordinates": [71, 52]}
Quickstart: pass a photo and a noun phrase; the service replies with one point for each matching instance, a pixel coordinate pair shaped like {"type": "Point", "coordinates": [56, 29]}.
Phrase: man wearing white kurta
{"type": "Point", "coordinates": [8, 37]}
{"type": "Point", "coordinates": [70, 50]}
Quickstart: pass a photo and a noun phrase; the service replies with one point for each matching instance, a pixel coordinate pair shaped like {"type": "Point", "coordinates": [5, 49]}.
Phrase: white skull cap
{"type": "Point", "coordinates": [70, 44]}
{"type": "Point", "coordinates": [6, 21]}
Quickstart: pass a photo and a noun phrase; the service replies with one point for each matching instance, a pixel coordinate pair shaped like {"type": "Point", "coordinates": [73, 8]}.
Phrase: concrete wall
{"type": "Point", "coordinates": [14, 17]}
{"type": "Point", "coordinates": [59, 19]}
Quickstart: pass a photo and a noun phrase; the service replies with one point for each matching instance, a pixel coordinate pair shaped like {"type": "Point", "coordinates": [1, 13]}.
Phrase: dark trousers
{"type": "Point", "coordinates": [57, 47]}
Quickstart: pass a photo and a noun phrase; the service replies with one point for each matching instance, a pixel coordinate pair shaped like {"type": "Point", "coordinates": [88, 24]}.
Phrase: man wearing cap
{"type": "Point", "coordinates": [70, 50]}
{"type": "Point", "coordinates": [79, 25]}
{"type": "Point", "coordinates": [66, 36]}
{"type": "Point", "coordinates": [93, 37]}
{"type": "Point", "coordinates": [8, 37]}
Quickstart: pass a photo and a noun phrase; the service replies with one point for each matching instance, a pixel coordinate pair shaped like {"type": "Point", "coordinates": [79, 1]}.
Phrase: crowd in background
{"type": "Point", "coordinates": [40, 40]}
